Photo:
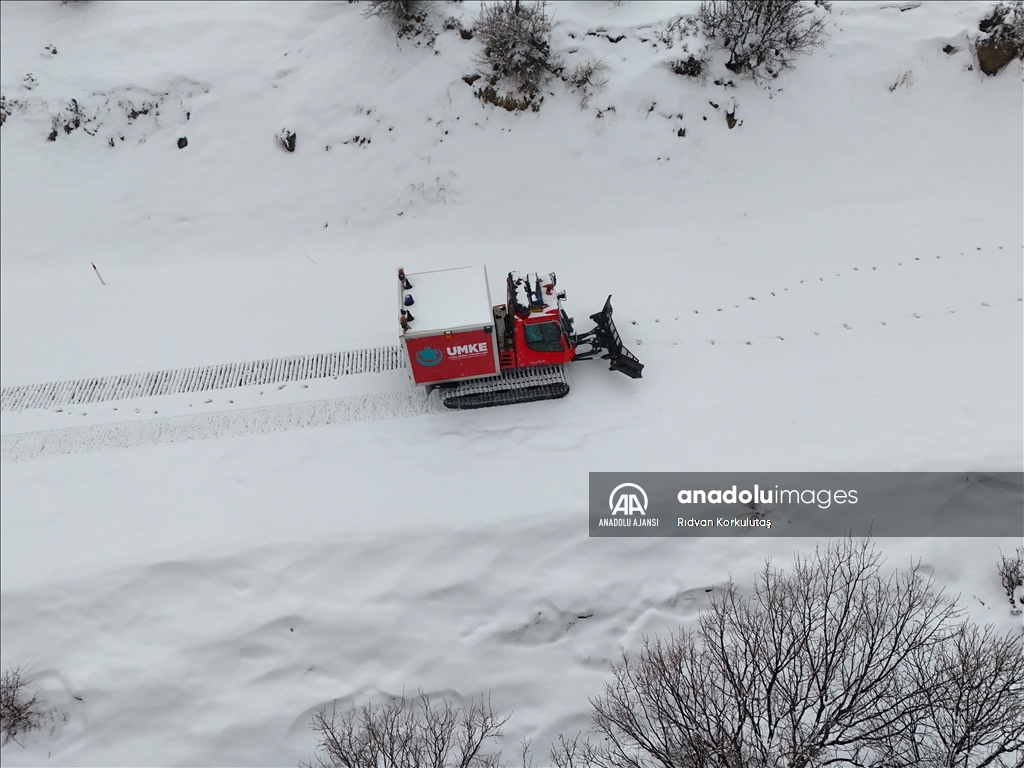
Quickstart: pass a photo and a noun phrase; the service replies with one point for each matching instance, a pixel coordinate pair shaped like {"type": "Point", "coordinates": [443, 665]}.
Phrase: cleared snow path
{"type": "Point", "coordinates": [212, 426]}
{"type": "Point", "coordinates": [199, 379]}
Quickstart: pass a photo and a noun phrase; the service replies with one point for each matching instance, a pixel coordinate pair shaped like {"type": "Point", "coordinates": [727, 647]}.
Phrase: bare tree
{"type": "Point", "coordinates": [832, 663]}
{"type": "Point", "coordinates": [971, 705]}
{"type": "Point", "coordinates": [763, 37]}
{"type": "Point", "coordinates": [409, 733]}
{"type": "Point", "coordinates": [19, 706]}
{"type": "Point", "coordinates": [576, 752]}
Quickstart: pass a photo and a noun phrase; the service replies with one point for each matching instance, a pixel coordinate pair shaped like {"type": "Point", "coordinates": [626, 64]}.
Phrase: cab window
{"type": "Point", "coordinates": [543, 337]}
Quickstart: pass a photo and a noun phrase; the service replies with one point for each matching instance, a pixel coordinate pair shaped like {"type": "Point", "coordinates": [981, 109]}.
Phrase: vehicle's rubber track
{"type": "Point", "coordinates": [199, 379]}
{"type": "Point", "coordinates": [523, 385]}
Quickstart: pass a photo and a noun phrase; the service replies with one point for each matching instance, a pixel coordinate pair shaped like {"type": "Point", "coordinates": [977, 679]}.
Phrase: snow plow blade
{"type": "Point", "coordinates": [606, 337]}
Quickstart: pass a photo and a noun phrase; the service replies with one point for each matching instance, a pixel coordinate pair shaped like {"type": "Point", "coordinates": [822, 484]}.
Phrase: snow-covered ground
{"type": "Point", "coordinates": [833, 284]}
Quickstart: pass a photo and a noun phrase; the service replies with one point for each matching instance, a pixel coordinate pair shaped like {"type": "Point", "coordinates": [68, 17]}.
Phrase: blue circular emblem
{"type": "Point", "coordinates": [429, 356]}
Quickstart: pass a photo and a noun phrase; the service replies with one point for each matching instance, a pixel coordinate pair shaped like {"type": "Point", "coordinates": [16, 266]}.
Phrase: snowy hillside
{"type": "Point", "coordinates": [833, 284]}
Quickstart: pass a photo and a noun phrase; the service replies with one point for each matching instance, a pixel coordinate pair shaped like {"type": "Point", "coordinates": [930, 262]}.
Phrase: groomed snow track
{"type": "Point", "coordinates": [199, 379]}
{"type": "Point", "coordinates": [246, 422]}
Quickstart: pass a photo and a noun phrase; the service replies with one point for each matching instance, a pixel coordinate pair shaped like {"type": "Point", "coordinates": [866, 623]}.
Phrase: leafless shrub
{"type": "Point", "coordinates": [406, 16]}
{"type": "Point", "coordinates": [763, 37]}
{"type": "Point", "coordinates": [1007, 21]}
{"type": "Point", "coordinates": [508, 101]}
{"type": "Point", "coordinates": [589, 74]}
{"type": "Point", "coordinates": [1011, 576]}
{"type": "Point", "coordinates": [676, 30]}
{"type": "Point", "coordinates": [692, 67]}
{"type": "Point", "coordinates": [20, 711]}
{"type": "Point", "coordinates": [409, 733]}
{"type": "Point", "coordinates": [516, 38]}
{"type": "Point", "coordinates": [832, 663]}
{"type": "Point", "coordinates": [587, 78]}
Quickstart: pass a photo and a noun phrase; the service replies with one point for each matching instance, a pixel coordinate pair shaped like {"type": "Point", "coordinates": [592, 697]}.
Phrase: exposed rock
{"type": "Point", "coordinates": [994, 53]}
{"type": "Point", "coordinates": [287, 139]}
{"type": "Point", "coordinates": [1003, 37]}
{"type": "Point", "coordinates": [182, 142]}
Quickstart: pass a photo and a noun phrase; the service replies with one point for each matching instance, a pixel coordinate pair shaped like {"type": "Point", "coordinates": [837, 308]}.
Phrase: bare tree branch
{"type": "Point", "coordinates": [409, 733]}
{"type": "Point", "coordinates": [833, 662]}
{"type": "Point", "coordinates": [20, 710]}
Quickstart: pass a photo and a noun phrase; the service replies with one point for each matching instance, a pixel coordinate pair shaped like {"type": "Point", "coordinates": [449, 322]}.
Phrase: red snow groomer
{"type": "Point", "coordinates": [480, 354]}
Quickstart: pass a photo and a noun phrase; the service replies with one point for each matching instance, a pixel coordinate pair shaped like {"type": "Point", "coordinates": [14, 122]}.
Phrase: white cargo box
{"type": "Point", "coordinates": [448, 300]}
{"type": "Point", "coordinates": [449, 333]}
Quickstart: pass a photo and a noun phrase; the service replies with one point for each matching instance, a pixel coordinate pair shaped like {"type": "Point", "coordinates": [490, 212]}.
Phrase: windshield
{"type": "Point", "coordinates": [543, 337]}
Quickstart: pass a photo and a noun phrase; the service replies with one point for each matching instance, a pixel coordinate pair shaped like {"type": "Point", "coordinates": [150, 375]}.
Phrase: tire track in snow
{"type": "Point", "coordinates": [249, 421]}
{"type": "Point", "coordinates": [202, 378]}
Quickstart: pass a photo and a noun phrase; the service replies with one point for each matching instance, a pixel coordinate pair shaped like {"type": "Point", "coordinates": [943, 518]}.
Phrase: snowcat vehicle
{"type": "Point", "coordinates": [480, 355]}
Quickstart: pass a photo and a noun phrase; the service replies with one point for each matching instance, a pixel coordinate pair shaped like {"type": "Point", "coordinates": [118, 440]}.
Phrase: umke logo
{"type": "Point", "coordinates": [627, 502]}
{"type": "Point", "coordinates": [468, 350]}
